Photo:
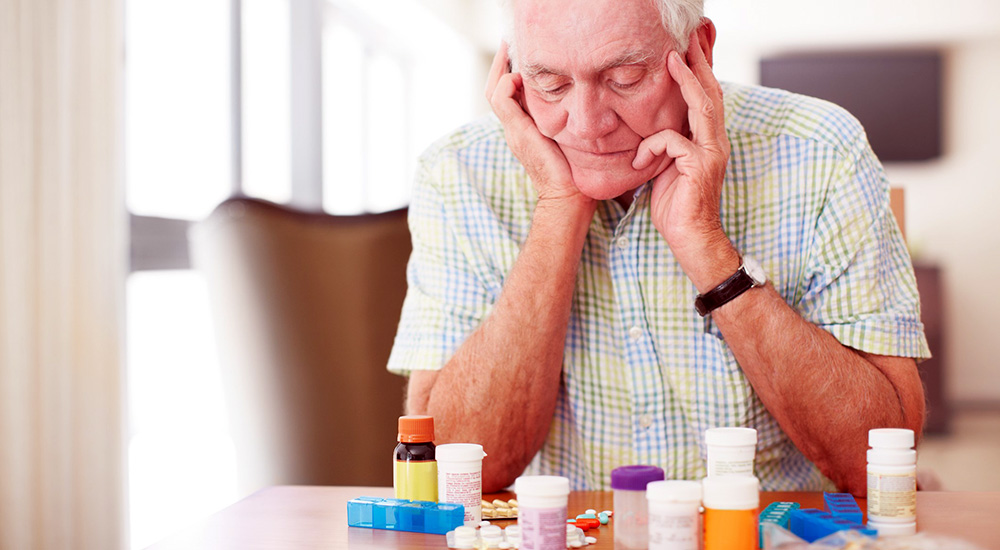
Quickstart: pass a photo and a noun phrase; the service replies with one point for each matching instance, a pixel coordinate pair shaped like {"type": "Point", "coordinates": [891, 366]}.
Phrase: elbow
{"type": "Point", "coordinates": [501, 467]}
{"type": "Point", "coordinates": [914, 416]}
{"type": "Point", "coordinates": [495, 479]}
{"type": "Point", "coordinates": [856, 483]}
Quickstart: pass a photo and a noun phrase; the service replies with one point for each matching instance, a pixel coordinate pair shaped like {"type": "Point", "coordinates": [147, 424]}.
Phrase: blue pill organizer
{"type": "Point", "coordinates": [396, 514]}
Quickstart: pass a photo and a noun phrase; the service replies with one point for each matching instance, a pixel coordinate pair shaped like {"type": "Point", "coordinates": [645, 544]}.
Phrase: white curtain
{"type": "Point", "coordinates": [62, 269]}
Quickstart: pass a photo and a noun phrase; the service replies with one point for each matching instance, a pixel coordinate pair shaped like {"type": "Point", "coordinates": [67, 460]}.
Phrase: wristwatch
{"type": "Point", "coordinates": [749, 275]}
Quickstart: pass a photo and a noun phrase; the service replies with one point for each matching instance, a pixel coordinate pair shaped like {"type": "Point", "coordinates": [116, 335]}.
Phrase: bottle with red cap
{"type": "Point", "coordinates": [415, 476]}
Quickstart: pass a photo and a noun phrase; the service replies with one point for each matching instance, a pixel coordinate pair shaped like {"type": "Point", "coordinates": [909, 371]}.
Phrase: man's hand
{"type": "Point", "coordinates": [545, 163]}
{"type": "Point", "coordinates": [686, 195]}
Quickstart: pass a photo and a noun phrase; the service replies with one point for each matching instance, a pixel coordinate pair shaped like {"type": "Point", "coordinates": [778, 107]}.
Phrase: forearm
{"type": "Point", "coordinates": [500, 387]}
{"type": "Point", "coordinates": [824, 395]}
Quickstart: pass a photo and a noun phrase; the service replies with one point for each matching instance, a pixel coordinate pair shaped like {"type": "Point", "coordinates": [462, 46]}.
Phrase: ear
{"type": "Point", "coordinates": [705, 34]}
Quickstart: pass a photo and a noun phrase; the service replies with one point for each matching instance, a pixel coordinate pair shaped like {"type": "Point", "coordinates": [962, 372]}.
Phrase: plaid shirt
{"type": "Point", "coordinates": [643, 374]}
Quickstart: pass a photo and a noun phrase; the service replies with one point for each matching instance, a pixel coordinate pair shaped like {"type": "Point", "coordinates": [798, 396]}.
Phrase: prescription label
{"type": "Point", "coordinates": [543, 528]}
{"type": "Point", "coordinates": [892, 495]}
{"type": "Point", "coordinates": [673, 531]}
{"type": "Point", "coordinates": [416, 480]}
{"type": "Point", "coordinates": [465, 488]}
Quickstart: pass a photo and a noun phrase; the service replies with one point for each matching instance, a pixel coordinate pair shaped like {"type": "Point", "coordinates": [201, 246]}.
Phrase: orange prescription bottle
{"type": "Point", "coordinates": [415, 475]}
{"type": "Point", "coordinates": [731, 504]}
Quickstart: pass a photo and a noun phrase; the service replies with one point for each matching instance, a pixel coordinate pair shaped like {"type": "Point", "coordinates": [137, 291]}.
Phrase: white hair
{"type": "Point", "coordinates": [679, 18]}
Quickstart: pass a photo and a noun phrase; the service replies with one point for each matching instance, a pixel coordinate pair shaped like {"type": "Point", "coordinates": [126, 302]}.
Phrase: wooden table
{"type": "Point", "coordinates": [293, 517]}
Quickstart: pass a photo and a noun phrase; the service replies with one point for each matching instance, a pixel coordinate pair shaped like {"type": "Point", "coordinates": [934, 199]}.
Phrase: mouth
{"type": "Point", "coordinates": [604, 155]}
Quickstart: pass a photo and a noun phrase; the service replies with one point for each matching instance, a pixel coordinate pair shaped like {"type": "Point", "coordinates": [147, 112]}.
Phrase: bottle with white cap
{"type": "Point", "coordinates": [731, 451]}
{"type": "Point", "coordinates": [542, 511]}
{"type": "Point", "coordinates": [460, 477]}
{"type": "Point", "coordinates": [892, 481]}
{"type": "Point", "coordinates": [731, 512]}
{"type": "Point", "coordinates": [673, 514]}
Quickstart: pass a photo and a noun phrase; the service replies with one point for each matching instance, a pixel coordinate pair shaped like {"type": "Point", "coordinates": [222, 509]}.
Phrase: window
{"type": "Point", "coordinates": [387, 90]}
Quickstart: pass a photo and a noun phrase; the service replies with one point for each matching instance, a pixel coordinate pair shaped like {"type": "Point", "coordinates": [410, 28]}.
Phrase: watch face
{"type": "Point", "coordinates": [755, 271]}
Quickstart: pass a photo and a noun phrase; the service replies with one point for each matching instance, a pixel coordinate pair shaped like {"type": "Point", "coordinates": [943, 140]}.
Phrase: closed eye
{"type": "Point", "coordinates": [625, 76]}
{"type": "Point", "coordinates": [555, 91]}
{"type": "Point", "coordinates": [624, 85]}
{"type": "Point", "coordinates": [551, 85]}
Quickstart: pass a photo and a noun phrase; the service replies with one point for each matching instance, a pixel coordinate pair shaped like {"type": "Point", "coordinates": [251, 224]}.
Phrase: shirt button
{"type": "Point", "coordinates": [635, 333]}
{"type": "Point", "coordinates": [622, 242]}
{"type": "Point", "coordinates": [645, 421]}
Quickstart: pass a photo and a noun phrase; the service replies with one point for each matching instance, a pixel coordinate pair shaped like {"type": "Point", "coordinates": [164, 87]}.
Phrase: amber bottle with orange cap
{"type": "Point", "coordinates": [415, 476]}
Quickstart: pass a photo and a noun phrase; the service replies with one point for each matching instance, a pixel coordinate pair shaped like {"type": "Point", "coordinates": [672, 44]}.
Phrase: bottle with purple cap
{"type": "Point", "coordinates": [631, 510]}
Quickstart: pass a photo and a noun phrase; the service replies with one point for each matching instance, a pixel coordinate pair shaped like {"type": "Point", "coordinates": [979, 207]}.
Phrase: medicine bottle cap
{"type": "Point", "coordinates": [893, 529]}
{"type": "Point", "coordinates": [674, 491]}
{"type": "Point", "coordinates": [731, 436]}
{"type": "Point", "coordinates": [636, 477]}
{"type": "Point", "coordinates": [541, 486]}
{"type": "Point", "coordinates": [731, 493]}
{"type": "Point", "coordinates": [416, 429]}
{"type": "Point", "coordinates": [459, 452]}
{"type": "Point", "coordinates": [891, 438]}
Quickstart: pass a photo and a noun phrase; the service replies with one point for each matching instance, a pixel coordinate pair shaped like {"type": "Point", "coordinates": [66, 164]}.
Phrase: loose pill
{"type": "Point", "coordinates": [591, 511]}
{"type": "Point", "coordinates": [603, 518]}
{"type": "Point", "coordinates": [591, 540]}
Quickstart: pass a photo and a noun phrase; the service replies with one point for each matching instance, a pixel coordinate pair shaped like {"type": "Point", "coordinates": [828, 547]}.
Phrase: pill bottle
{"type": "Point", "coordinates": [460, 477]}
{"type": "Point", "coordinates": [892, 482]}
{"type": "Point", "coordinates": [542, 511]}
{"type": "Point", "coordinates": [731, 451]}
{"type": "Point", "coordinates": [415, 476]}
{"type": "Point", "coordinates": [730, 512]}
{"type": "Point", "coordinates": [674, 521]}
{"type": "Point", "coordinates": [631, 509]}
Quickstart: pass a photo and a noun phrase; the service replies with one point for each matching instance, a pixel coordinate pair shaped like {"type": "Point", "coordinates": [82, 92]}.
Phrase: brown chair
{"type": "Point", "coordinates": [305, 308]}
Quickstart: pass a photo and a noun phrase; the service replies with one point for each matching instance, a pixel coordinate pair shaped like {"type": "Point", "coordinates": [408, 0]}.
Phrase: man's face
{"type": "Point", "coordinates": [596, 82]}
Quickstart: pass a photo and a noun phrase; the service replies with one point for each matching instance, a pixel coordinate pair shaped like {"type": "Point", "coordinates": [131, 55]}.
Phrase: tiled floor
{"type": "Point", "coordinates": [967, 459]}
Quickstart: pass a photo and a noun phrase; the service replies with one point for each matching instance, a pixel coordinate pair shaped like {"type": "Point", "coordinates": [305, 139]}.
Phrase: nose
{"type": "Point", "coordinates": [589, 116]}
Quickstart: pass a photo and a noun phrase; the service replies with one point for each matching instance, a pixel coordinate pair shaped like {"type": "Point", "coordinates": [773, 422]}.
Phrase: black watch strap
{"type": "Point", "coordinates": [732, 287]}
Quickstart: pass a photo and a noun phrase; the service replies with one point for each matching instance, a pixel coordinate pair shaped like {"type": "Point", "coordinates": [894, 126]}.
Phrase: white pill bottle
{"type": "Point", "coordinates": [460, 478]}
{"type": "Point", "coordinates": [674, 520]}
{"type": "Point", "coordinates": [892, 482]}
{"type": "Point", "coordinates": [542, 503]}
{"type": "Point", "coordinates": [731, 451]}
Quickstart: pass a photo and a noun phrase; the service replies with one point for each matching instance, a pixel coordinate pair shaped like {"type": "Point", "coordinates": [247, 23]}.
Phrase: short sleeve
{"type": "Point", "coordinates": [445, 300]}
{"type": "Point", "coordinates": [861, 285]}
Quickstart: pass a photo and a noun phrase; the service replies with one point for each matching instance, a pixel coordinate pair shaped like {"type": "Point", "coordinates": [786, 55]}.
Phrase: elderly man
{"type": "Point", "coordinates": [631, 253]}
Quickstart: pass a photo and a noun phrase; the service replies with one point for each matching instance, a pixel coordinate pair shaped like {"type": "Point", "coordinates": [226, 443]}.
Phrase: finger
{"type": "Point", "coordinates": [701, 110]}
{"type": "Point", "coordinates": [664, 185]}
{"type": "Point", "coordinates": [500, 66]}
{"type": "Point", "coordinates": [506, 106]}
{"type": "Point", "coordinates": [667, 142]}
{"type": "Point", "coordinates": [699, 65]}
